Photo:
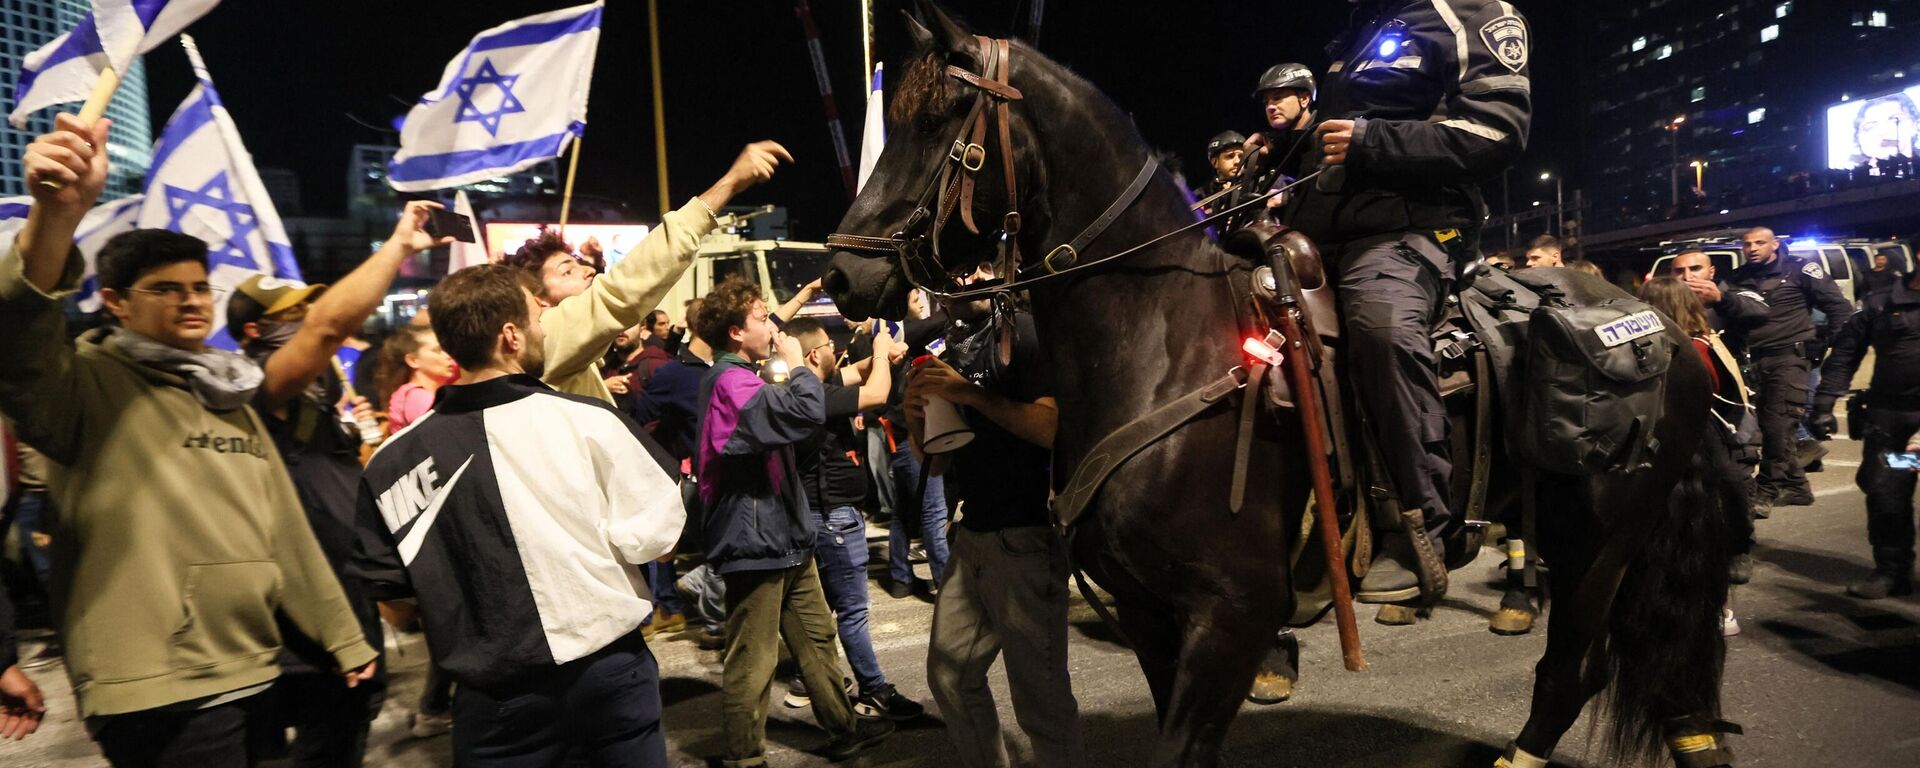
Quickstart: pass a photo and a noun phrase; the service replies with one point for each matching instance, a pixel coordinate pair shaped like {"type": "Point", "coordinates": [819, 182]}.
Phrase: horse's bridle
{"type": "Point", "coordinates": [953, 187]}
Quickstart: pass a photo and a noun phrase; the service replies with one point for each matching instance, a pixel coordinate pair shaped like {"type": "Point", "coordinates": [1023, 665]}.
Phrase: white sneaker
{"type": "Point", "coordinates": [1729, 626]}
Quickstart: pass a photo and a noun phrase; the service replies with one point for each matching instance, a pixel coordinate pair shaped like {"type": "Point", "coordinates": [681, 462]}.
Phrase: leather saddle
{"type": "Point", "coordinates": [1467, 370]}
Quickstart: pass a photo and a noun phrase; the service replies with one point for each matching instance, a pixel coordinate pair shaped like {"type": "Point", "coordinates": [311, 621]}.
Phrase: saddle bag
{"type": "Point", "coordinates": [1591, 385]}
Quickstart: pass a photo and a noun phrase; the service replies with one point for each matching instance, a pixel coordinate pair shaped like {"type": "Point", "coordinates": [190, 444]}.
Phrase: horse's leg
{"type": "Point", "coordinates": [1279, 669]}
{"type": "Point", "coordinates": [1559, 690]}
{"type": "Point", "coordinates": [1225, 641]}
{"type": "Point", "coordinates": [1148, 624]}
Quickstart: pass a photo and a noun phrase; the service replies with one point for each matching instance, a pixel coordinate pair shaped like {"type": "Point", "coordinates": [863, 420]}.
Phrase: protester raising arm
{"type": "Point", "coordinates": [37, 383]}
{"type": "Point", "coordinates": [580, 327]}
{"type": "Point", "coordinates": [799, 301]}
{"type": "Point", "coordinates": [339, 312]}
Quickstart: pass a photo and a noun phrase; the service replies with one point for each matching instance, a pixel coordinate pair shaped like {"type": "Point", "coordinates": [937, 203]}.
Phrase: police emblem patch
{"type": "Point", "coordinates": [1507, 38]}
{"type": "Point", "coordinates": [1814, 270]}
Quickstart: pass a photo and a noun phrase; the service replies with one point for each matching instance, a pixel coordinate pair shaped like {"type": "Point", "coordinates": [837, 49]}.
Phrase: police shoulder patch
{"type": "Point", "coordinates": [1814, 270]}
{"type": "Point", "coordinates": [1506, 36]}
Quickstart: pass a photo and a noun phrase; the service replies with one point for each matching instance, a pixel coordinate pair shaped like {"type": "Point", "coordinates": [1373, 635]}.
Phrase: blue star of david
{"type": "Point", "coordinates": [218, 195]}
{"type": "Point", "coordinates": [487, 75]}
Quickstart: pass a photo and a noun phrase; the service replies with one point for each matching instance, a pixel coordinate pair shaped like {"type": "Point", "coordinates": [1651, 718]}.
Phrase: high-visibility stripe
{"type": "Point", "coordinates": [1459, 33]}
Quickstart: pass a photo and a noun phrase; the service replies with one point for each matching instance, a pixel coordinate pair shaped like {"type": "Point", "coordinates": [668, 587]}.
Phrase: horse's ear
{"type": "Point", "coordinates": [922, 39]}
{"type": "Point", "coordinates": [952, 37]}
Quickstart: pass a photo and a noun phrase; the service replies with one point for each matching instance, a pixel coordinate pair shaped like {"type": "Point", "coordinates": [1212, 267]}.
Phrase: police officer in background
{"type": "Point", "coordinates": [1424, 99]}
{"type": "Point", "coordinates": [1224, 152]}
{"type": "Point", "coordinates": [1889, 323]}
{"type": "Point", "coordinates": [1782, 350]}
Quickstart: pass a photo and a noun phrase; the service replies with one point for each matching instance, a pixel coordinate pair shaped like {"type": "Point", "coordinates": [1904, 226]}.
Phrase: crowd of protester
{"type": "Point", "coordinates": [542, 474]}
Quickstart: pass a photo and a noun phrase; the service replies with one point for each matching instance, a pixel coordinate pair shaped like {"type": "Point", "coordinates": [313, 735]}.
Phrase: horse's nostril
{"type": "Point", "coordinates": [835, 282]}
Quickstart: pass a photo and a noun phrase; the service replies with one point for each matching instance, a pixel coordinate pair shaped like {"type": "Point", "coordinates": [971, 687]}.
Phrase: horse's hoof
{"type": "Point", "coordinates": [1397, 615]}
{"type": "Point", "coordinates": [1511, 621]}
{"type": "Point", "coordinates": [1270, 689]}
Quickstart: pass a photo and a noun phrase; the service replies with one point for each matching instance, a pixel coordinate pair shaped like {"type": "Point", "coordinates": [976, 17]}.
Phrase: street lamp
{"type": "Point", "coordinates": [1673, 170]}
{"type": "Point", "coordinates": [1699, 175]}
{"type": "Point", "coordinates": [1559, 204]}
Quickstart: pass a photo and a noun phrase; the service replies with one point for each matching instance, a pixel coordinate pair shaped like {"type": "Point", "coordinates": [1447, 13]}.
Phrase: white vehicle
{"type": "Point", "coordinates": [779, 267]}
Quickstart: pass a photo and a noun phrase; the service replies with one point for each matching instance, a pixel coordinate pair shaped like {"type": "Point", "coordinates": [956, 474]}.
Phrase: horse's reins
{"type": "Point", "coordinates": [953, 188]}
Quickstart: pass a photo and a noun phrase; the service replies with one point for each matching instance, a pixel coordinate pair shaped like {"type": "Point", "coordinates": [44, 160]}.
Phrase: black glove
{"type": "Point", "coordinates": [1820, 421]}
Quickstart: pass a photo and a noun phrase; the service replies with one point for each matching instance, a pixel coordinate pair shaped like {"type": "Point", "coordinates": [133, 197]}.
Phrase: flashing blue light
{"type": "Point", "coordinates": [1389, 46]}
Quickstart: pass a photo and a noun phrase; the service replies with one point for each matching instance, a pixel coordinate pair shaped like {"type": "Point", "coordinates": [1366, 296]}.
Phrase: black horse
{"type": "Point", "coordinates": [1639, 560]}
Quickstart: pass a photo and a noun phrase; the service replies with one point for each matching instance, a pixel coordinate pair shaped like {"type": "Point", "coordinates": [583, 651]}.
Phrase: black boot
{"type": "Point", "coordinates": [1892, 575]}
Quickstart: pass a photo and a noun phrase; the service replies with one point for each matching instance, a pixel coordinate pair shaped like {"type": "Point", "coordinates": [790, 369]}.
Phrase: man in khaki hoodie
{"type": "Point", "coordinates": [180, 535]}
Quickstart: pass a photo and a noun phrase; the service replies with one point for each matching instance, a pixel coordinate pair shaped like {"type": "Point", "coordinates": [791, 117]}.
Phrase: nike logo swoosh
{"type": "Point", "coordinates": [417, 535]}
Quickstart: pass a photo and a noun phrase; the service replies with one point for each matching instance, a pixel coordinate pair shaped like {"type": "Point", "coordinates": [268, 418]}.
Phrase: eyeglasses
{"type": "Point", "coordinates": [176, 292]}
{"type": "Point", "coordinates": [827, 345]}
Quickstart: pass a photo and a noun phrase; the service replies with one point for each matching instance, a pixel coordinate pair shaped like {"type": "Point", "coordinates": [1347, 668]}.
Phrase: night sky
{"type": "Point", "coordinates": [305, 81]}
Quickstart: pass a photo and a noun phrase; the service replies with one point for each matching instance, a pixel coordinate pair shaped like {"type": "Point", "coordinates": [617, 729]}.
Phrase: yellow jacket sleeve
{"type": "Point", "coordinates": [580, 328]}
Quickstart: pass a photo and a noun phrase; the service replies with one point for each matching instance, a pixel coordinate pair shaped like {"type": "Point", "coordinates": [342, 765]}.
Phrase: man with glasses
{"type": "Point", "coordinates": [181, 538]}
{"type": "Point", "coordinates": [1782, 349]}
{"type": "Point", "coordinates": [835, 484]}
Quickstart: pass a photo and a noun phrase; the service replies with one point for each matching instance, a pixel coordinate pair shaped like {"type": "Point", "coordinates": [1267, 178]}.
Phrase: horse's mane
{"type": "Point", "coordinates": [924, 89]}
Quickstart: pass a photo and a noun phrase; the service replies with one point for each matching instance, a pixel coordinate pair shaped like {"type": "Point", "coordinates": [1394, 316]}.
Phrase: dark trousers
{"type": "Point", "coordinates": [1781, 379]}
{"type": "Point", "coordinates": [196, 738]}
{"type": "Point", "coordinates": [1889, 491]}
{"type": "Point", "coordinates": [329, 720]}
{"type": "Point", "coordinates": [34, 515]}
{"type": "Point", "coordinates": [1736, 501]}
{"type": "Point", "coordinates": [603, 710]}
{"type": "Point", "coordinates": [1390, 291]}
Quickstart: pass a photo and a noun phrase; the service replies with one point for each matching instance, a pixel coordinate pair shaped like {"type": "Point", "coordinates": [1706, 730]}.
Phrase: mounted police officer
{"type": "Point", "coordinates": [1781, 350]}
{"type": "Point", "coordinates": [1286, 95]}
{"type": "Point", "coordinates": [1224, 153]}
{"type": "Point", "coordinates": [1889, 323]}
{"type": "Point", "coordinates": [1424, 99]}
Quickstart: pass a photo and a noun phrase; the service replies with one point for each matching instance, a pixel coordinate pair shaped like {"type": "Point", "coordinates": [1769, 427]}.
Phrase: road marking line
{"type": "Point", "coordinates": [1824, 492]}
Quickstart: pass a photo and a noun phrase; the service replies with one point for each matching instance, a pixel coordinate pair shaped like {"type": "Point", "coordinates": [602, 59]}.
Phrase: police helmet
{"type": "Point", "coordinates": [1287, 76]}
{"type": "Point", "coordinates": [1224, 141]}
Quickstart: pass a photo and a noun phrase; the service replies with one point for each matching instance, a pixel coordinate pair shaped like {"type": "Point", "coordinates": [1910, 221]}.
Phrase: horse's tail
{"type": "Point", "coordinates": [1663, 651]}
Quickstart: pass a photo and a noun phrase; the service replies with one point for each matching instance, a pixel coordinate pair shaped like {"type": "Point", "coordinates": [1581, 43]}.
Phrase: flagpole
{"type": "Point", "coordinates": [866, 37]}
{"type": "Point", "coordinates": [93, 110]}
{"type": "Point", "coordinates": [659, 107]}
{"type": "Point", "coordinates": [566, 198]}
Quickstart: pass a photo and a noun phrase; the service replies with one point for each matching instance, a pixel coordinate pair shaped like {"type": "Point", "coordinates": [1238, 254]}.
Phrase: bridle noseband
{"type": "Point", "coordinates": [953, 188]}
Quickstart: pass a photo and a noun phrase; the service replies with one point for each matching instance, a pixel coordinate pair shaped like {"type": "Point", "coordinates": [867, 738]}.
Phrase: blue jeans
{"type": "Point", "coordinates": [706, 598]}
{"type": "Point", "coordinates": [841, 550]}
{"type": "Point", "coordinates": [32, 517]}
{"type": "Point", "coordinates": [932, 523]}
{"type": "Point", "coordinates": [660, 578]}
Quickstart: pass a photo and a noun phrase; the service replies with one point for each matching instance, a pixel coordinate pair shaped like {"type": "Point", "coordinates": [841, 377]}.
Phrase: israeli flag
{"type": "Point", "coordinates": [65, 70]}
{"type": "Point", "coordinates": [203, 183]}
{"type": "Point", "coordinates": [515, 97]}
{"type": "Point", "coordinates": [99, 226]}
{"type": "Point", "coordinates": [873, 137]}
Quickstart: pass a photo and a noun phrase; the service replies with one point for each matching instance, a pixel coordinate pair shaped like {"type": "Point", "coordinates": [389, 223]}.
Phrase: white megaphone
{"type": "Point", "coordinates": [946, 431]}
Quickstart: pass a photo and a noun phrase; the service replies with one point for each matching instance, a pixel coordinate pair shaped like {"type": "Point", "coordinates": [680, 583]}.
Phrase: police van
{"type": "Point", "coordinates": [1843, 259]}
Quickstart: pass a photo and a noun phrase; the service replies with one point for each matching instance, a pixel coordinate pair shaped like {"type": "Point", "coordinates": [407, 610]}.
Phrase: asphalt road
{"type": "Point", "coordinates": [1816, 677]}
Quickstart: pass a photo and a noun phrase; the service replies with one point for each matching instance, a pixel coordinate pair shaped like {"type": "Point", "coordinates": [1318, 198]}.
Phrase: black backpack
{"type": "Point", "coordinates": [1590, 385]}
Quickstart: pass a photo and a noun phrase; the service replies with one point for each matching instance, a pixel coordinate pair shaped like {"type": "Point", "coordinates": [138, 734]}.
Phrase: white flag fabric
{"type": "Point", "coordinates": [99, 226]}
{"type": "Point", "coordinates": [203, 183]}
{"type": "Point", "coordinates": [873, 137]}
{"type": "Point", "coordinates": [65, 70]}
{"type": "Point", "coordinates": [465, 255]}
{"type": "Point", "coordinates": [512, 99]}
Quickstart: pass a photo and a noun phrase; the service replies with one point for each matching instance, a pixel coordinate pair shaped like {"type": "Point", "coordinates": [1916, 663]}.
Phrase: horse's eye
{"type": "Point", "coordinates": [926, 123]}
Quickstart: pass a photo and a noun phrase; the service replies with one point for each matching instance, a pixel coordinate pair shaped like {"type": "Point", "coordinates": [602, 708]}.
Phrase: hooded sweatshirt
{"type": "Point", "coordinates": [180, 535]}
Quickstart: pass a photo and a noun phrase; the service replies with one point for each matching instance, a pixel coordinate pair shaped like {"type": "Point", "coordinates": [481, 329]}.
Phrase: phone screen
{"type": "Point", "coordinates": [1903, 460]}
{"type": "Point", "coordinates": [443, 223]}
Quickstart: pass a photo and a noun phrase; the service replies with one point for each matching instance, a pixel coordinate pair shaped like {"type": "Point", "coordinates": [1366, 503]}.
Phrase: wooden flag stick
{"type": "Point", "coordinates": [566, 198]}
{"type": "Point", "coordinates": [94, 109]}
{"type": "Point", "coordinates": [659, 104]}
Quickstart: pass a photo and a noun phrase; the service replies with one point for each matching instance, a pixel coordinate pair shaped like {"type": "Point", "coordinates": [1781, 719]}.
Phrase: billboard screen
{"type": "Point", "coordinates": [615, 240]}
{"type": "Point", "coordinates": [1873, 129]}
